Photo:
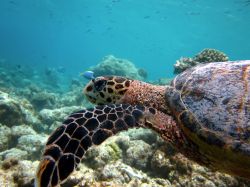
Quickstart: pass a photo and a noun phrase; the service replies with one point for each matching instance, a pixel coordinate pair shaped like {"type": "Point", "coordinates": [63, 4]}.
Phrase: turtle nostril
{"type": "Point", "coordinates": [99, 84]}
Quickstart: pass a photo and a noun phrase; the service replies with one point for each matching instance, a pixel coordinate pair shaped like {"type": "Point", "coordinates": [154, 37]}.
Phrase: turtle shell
{"type": "Point", "coordinates": [211, 103]}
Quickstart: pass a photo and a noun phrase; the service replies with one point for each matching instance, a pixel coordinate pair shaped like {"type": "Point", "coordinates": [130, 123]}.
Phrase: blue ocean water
{"type": "Point", "coordinates": [151, 33]}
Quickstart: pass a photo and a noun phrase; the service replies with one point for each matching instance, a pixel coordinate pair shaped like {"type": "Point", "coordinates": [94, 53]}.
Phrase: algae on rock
{"type": "Point", "coordinates": [10, 111]}
{"type": "Point", "coordinates": [111, 65]}
{"type": "Point", "coordinates": [5, 135]}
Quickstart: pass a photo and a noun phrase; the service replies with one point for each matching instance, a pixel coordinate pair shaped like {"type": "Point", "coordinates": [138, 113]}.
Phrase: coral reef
{"type": "Point", "coordinates": [164, 167]}
{"type": "Point", "coordinates": [150, 162]}
{"type": "Point", "coordinates": [205, 56]}
{"type": "Point", "coordinates": [111, 65]}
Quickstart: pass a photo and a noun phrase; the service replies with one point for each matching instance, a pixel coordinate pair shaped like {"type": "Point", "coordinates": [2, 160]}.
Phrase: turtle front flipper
{"type": "Point", "coordinates": [68, 143]}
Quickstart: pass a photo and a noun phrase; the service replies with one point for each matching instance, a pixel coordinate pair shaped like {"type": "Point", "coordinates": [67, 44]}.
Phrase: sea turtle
{"type": "Point", "coordinates": [205, 113]}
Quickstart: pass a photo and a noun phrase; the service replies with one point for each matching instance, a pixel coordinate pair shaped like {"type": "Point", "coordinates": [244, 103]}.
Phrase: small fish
{"type": "Point", "coordinates": [146, 17]}
{"type": "Point", "coordinates": [88, 74]}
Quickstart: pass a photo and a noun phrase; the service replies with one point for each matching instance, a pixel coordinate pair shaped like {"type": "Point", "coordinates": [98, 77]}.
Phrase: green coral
{"type": "Point", "coordinates": [98, 157]}
{"type": "Point", "coordinates": [205, 56]}
{"type": "Point", "coordinates": [210, 55]}
{"type": "Point", "coordinates": [116, 152]}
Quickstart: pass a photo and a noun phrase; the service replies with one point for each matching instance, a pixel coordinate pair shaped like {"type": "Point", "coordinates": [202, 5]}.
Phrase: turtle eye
{"type": "Point", "coordinates": [100, 84]}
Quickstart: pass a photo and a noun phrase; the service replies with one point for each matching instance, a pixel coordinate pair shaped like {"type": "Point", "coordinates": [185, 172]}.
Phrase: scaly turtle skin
{"type": "Point", "coordinates": [205, 113]}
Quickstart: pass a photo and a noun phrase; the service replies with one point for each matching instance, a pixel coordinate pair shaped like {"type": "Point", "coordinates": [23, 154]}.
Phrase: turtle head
{"type": "Point", "coordinates": [116, 90]}
{"type": "Point", "coordinates": [106, 89]}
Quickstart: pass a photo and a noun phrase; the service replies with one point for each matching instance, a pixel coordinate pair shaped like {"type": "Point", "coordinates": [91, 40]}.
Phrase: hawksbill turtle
{"type": "Point", "coordinates": [204, 113]}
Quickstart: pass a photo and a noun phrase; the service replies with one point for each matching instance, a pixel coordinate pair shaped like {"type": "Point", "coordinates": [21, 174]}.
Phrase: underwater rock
{"type": "Point", "coordinates": [74, 97]}
{"type": "Point", "coordinates": [113, 174]}
{"type": "Point", "coordinates": [111, 65]}
{"type": "Point", "coordinates": [14, 153]}
{"type": "Point", "coordinates": [146, 135]}
{"type": "Point", "coordinates": [166, 162]}
{"type": "Point", "coordinates": [51, 127]}
{"type": "Point", "coordinates": [98, 157]}
{"type": "Point", "coordinates": [51, 78]}
{"type": "Point", "coordinates": [8, 163]}
{"type": "Point", "coordinates": [82, 177]}
{"type": "Point", "coordinates": [120, 173]}
{"type": "Point", "coordinates": [33, 144]}
{"type": "Point", "coordinates": [205, 56]}
{"type": "Point", "coordinates": [20, 130]}
{"type": "Point", "coordinates": [31, 117]}
{"type": "Point", "coordinates": [15, 111]}
{"type": "Point", "coordinates": [5, 135]}
{"type": "Point", "coordinates": [55, 116]}
{"type": "Point", "coordinates": [15, 76]}
{"type": "Point", "coordinates": [23, 174]}
{"type": "Point", "coordinates": [127, 146]}
{"type": "Point", "coordinates": [161, 164]}
{"type": "Point", "coordinates": [19, 174]}
{"type": "Point", "coordinates": [182, 172]}
{"type": "Point", "coordinates": [43, 100]}
{"type": "Point", "coordinates": [10, 110]}
{"type": "Point", "coordinates": [138, 154]}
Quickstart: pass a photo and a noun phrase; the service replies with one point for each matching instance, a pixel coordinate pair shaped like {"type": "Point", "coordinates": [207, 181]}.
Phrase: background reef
{"type": "Point", "coordinates": [31, 107]}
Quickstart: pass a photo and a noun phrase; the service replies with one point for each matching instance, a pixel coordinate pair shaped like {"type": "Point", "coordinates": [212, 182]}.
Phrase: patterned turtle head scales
{"type": "Point", "coordinates": [105, 90]}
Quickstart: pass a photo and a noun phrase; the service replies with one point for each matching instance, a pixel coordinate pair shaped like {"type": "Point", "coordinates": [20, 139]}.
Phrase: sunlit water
{"type": "Point", "coordinates": [151, 33]}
